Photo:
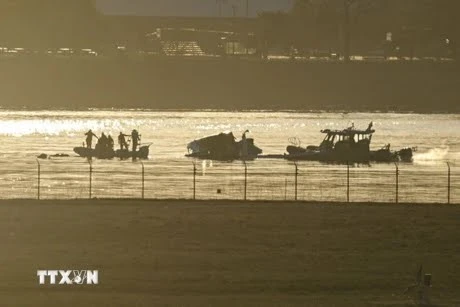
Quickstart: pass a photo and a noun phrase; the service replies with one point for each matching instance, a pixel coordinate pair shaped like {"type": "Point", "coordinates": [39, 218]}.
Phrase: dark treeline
{"type": "Point", "coordinates": [348, 26]}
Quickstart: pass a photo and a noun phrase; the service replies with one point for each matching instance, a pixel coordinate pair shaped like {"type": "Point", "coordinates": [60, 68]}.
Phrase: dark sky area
{"type": "Point", "coordinates": [188, 7]}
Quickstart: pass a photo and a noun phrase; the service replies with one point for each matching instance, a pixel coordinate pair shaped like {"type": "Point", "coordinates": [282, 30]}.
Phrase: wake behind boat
{"type": "Point", "coordinates": [348, 145]}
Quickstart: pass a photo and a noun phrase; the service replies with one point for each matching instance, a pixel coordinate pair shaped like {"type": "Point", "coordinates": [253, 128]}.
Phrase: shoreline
{"type": "Point", "coordinates": [214, 202]}
{"type": "Point", "coordinates": [319, 111]}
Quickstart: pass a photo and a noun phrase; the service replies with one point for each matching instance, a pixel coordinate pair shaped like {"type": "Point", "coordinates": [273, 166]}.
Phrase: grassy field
{"type": "Point", "coordinates": [181, 253]}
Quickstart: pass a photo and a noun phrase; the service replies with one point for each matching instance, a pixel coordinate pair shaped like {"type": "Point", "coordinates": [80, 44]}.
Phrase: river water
{"type": "Point", "coordinates": [168, 174]}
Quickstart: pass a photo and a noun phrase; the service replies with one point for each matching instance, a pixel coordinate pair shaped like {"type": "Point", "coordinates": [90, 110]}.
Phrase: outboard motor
{"type": "Point", "coordinates": [143, 152]}
{"type": "Point", "coordinates": [406, 154]}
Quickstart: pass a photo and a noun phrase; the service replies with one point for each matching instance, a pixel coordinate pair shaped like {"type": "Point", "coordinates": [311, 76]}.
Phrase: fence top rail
{"type": "Point", "coordinates": [253, 167]}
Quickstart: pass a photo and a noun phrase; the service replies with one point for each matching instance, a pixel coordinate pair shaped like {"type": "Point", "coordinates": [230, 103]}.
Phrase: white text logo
{"type": "Point", "coordinates": [68, 277]}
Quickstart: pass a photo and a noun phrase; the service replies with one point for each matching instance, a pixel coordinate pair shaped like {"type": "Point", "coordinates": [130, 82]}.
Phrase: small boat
{"type": "Point", "coordinates": [142, 153]}
{"type": "Point", "coordinates": [348, 145]}
{"type": "Point", "coordinates": [223, 147]}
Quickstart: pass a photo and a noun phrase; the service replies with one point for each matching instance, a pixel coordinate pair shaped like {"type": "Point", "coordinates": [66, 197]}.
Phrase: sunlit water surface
{"type": "Point", "coordinates": [168, 174]}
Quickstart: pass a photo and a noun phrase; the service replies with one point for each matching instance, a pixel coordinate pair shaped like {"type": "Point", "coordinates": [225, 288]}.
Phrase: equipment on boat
{"type": "Point", "coordinates": [223, 147]}
{"type": "Point", "coordinates": [348, 145]}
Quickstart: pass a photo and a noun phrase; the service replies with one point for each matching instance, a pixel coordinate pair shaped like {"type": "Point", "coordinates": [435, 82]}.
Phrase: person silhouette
{"type": "Point", "coordinates": [122, 141]}
{"type": "Point", "coordinates": [110, 142]}
{"type": "Point", "coordinates": [89, 138]}
{"type": "Point", "coordinates": [135, 137]}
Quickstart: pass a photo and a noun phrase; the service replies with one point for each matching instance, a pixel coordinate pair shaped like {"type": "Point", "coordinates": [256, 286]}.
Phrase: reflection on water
{"type": "Point", "coordinates": [24, 135]}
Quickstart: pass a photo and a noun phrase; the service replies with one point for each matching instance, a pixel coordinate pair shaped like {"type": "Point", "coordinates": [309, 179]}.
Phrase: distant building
{"type": "Point", "coordinates": [188, 27]}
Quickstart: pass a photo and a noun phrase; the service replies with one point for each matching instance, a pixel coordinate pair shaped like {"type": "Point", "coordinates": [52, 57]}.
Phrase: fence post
{"type": "Point", "coordinates": [448, 183]}
{"type": "Point", "coordinates": [296, 179]}
{"type": "Point", "coordinates": [90, 179]}
{"type": "Point", "coordinates": [348, 181]}
{"type": "Point", "coordinates": [285, 188]}
{"type": "Point", "coordinates": [143, 180]}
{"type": "Point", "coordinates": [38, 179]}
{"type": "Point", "coordinates": [397, 183]}
{"type": "Point", "coordinates": [194, 181]}
{"type": "Point", "coordinates": [245, 180]}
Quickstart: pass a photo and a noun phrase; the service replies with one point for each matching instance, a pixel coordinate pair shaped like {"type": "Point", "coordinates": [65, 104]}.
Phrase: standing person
{"type": "Point", "coordinates": [103, 141]}
{"type": "Point", "coordinates": [244, 145]}
{"type": "Point", "coordinates": [122, 141]}
{"type": "Point", "coordinates": [110, 142]}
{"type": "Point", "coordinates": [244, 135]}
{"type": "Point", "coordinates": [369, 128]}
{"type": "Point", "coordinates": [89, 138]}
{"type": "Point", "coordinates": [135, 137]}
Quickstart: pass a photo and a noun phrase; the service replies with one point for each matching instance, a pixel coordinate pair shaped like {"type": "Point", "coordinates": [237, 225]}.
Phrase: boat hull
{"type": "Point", "coordinates": [142, 153]}
{"type": "Point", "coordinates": [333, 156]}
{"type": "Point", "coordinates": [208, 156]}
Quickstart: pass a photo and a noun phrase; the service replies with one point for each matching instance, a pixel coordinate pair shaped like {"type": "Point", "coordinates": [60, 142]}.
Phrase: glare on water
{"type": "Point", "coordinates": [26, 134]}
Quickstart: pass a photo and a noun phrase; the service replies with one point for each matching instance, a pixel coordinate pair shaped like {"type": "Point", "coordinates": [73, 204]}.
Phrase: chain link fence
{"type": "Point", "coordinates": [253, 180]}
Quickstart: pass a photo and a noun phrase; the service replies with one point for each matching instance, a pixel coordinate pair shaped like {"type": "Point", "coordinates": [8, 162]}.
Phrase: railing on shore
{"type": "Point", "coordinates": [203, 180]}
